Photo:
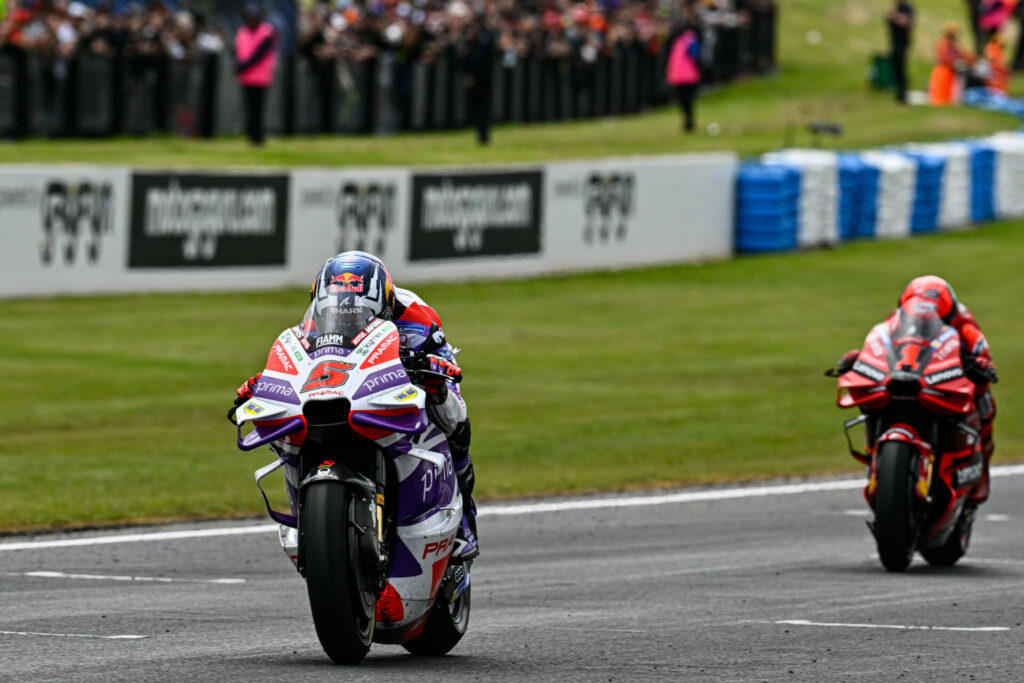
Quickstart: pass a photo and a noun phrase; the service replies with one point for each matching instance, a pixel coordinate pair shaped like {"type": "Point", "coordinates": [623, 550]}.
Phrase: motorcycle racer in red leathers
{"type": "Point", "coordinates": [974, 353]}
{"type": "Point", "coordinates": [429, 360]}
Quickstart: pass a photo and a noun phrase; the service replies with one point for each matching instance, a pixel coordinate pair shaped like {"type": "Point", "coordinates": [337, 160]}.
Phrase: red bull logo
{"type": "Point", "coordinates": [346, 282]}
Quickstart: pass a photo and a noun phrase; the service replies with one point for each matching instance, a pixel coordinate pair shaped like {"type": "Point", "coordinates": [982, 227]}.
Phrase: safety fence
{"type": "Point", "coordinates": [78, 230]}
{"type": "Point", "coordinates": [94, 96]}
{"type": "Point", "coordinates": [805, 198]}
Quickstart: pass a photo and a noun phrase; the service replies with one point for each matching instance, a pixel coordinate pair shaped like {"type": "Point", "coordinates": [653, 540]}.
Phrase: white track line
{"type": "Point", "coordinates": [136, 538]}
{"type": "Point", "coordinates": [69, 635]}
{"type": "Point", "coordinates": [896, 627]}
{"type": "Point", "coordinates": [104, 577]}
{"type": "Point", "coordinates": [590, 503]}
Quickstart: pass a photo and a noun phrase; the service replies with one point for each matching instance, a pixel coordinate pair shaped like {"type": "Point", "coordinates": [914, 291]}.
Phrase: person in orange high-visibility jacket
{"type": "Point", "coordinates": [255, 59]}
{"type": "Point", "coordinates": [950, 59]}
{"type": "Point", "coordinates": [999, 71]}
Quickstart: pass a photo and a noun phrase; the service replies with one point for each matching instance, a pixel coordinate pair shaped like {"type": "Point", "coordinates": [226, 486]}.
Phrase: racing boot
{"type": "Point", "coordinates": [981, 491]}
{"type": "Point", "coordinates": [466, 545]}
{"type": "Point", "coordinates": [987, 407]}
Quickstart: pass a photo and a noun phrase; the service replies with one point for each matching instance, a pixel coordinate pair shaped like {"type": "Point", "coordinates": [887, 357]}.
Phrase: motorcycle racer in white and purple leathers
{"type": "Point", "coordinates": [425, 352]}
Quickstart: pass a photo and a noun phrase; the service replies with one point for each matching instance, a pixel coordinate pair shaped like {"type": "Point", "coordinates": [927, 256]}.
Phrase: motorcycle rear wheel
{"type": "Point", "coordinates": [955, 546]}
{"type": "Point", "coordinates": [444, 629]}
{"type": "Point", "coordinates": [344, 609]}
{"type": "Point", "coordinates": [894, 523]}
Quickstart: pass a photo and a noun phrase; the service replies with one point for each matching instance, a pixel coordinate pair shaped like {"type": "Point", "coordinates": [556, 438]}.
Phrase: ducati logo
{"type": "Point", "coordinates": [608, 203]}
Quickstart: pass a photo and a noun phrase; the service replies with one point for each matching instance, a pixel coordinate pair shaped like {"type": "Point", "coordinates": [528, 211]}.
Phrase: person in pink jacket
{"type": "Point", "coordinates": [255, 59]}
{"type": "Point", "coordinates": [683, 71]}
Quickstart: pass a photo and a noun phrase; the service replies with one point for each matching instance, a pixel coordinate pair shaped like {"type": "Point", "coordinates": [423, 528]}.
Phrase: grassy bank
{"type": "Point", "coordinates": [113, 407]}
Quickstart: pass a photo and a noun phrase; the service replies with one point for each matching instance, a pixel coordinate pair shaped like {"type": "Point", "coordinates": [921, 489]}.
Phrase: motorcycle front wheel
{"type": "Point", "coordinates": [894, 523]}
{"type": "Point", "coordinates": [343, 607]}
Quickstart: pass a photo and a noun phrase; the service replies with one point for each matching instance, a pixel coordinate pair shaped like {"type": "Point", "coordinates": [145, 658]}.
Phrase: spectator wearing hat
{"type": "Point", "coordinates": [255, 59]}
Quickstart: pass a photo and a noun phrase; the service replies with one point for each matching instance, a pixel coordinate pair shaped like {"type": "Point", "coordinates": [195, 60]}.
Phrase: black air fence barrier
{"type": "Point", "coordinates": [92, 96]}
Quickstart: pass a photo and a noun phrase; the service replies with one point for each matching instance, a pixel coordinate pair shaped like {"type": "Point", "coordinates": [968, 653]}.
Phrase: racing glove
{"type": "Point", "coordinates": [980, 370]}
{"type": "Point", "coordinates": [244, 392]}
{"type": "Point", "coordinates": [433, 372]}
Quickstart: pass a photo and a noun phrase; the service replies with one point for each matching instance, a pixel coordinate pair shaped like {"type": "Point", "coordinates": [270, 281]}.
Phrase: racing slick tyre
{"type": "Point", "coordinates": [894, 525]}
{"type": "Point", "coordinates": [340, 596]}
{"type": "Point", "coordinates": [955, 546]}
{"type": "Point", "coordinates": [445, 627]}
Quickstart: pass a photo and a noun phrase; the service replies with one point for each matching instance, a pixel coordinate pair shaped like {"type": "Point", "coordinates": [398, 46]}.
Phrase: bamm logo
{"type": "Point", "coordinates": [607, 206]}
{"type": "Point", "coordinates": [76, 216]}
{"type": "Point", "coordinates": [366, 214]}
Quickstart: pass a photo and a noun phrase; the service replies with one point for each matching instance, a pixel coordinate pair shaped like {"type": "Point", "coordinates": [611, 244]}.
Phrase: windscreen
{"type": "Point", "coordinates": [924, 325]}
{"type": "Point", "coordinates": [338, 314]}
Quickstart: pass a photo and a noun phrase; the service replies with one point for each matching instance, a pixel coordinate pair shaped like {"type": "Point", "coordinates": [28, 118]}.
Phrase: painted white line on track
{"type": "Point", "coordinates": [69, 635]}
{"type": "Point", "coordinates": [590, 503]}
{"type": "Point", "coordinates": [137, 538]}
{"type": "Point", "coordinates": [104, 577]}
{"type": "Point", "coordinates": [896, 627]}
{"type": "Point", "coordinates": [997, 518]}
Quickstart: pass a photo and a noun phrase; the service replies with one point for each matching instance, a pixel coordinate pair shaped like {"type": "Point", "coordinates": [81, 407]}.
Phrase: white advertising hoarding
{"type": "Point", "coordinates": [81, 230]}
{"type": "Point", "coordinates": [63, 229]}
{"type": "Point", "coordinates": [335, 211]}
{"type": "Point", "coordinates": [613, 213]}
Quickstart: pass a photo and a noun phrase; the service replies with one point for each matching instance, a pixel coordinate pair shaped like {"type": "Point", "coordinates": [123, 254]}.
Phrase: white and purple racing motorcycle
{"type": "Point", "coordinates": [374, 502]}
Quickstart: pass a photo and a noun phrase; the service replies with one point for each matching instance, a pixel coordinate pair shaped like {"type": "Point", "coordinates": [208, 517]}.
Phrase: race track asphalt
{"type": "Point", "coordinates": [746, 588]}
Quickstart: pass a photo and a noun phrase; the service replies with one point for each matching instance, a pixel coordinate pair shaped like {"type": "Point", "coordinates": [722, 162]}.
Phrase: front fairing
{"type": "Point", "coordinates": [908, 357]}
{"type": "Point", "coordinates": [363, 377]}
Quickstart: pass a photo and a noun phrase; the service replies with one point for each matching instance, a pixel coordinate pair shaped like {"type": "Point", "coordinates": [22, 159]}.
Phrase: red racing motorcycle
{"type": "Point", "coordinates": [922, 436]}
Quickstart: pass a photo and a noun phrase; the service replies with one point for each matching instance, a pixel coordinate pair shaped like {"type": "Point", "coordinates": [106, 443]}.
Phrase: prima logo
{"type": "Point", "coordinates": [366, 214]}
{"type": "Point", "coordinates": [608, 204]}
{"type": "Point", "coordinates": [275, 389]}
{"type": "Point", "coordinates": [76, 216]}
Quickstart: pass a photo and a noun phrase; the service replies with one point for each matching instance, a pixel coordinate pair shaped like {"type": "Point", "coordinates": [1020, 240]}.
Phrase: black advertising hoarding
{"type": "Point", "coordinates": [194, 220]}
{"type": "Point", "coordinates": [462, 215]}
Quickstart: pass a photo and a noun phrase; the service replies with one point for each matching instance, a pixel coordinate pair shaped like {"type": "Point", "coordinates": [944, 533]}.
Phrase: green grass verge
{"type": "Point", "coordinates": [823, 80]}
{"type": "Point", "coordinates": [113, 407]}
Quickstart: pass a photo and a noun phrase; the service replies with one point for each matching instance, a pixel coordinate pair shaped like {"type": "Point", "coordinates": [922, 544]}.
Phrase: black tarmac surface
{"type": "Point", "coordinates": [769, 588]}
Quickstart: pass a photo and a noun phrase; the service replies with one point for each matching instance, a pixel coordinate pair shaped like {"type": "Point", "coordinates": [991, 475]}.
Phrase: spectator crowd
{"type": "Point", "coordinates": [65, 30]}
{"type": "Point", "coordinates": [331, 38]}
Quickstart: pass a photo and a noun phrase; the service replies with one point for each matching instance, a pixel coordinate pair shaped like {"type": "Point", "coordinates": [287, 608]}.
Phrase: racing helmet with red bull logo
{"type": "Point", "coordinates": [931, 288]}
{"type": "Point", "coordinates": [350, 290]}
